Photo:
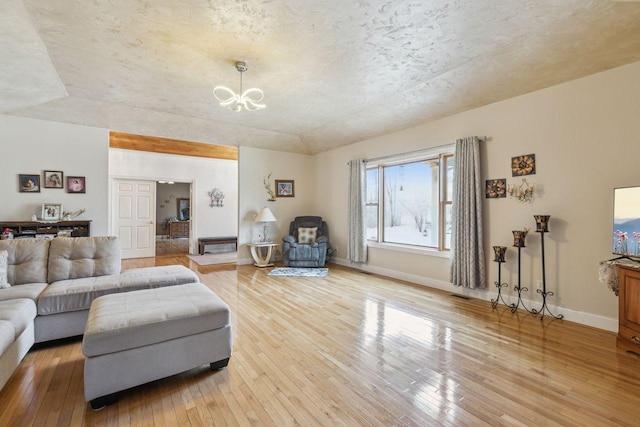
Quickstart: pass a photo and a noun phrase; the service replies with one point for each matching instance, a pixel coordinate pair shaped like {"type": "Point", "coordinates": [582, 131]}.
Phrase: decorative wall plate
{"type": "Point", "coordinates": [217, 198]}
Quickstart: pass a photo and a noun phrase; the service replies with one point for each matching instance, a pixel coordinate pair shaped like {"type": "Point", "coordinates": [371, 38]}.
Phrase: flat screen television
{"type": "Point", "coordinates": [626, 221]}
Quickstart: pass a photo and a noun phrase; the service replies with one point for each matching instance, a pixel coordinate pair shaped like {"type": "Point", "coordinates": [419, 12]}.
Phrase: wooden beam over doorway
{"type": "Point", "coordinates": [154, 144]}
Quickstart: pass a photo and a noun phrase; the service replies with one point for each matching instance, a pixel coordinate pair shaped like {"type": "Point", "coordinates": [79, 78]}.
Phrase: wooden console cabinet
{"type": "Point", "coordinates": [35, 228]}
{"type": "Point", "coordinates": [629, 308]}
{"type": "Point", "coordinates": [178, 229]}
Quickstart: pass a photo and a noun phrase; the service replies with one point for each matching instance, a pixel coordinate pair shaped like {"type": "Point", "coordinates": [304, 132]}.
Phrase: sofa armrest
{"type": "Point", "coordinates": [322, 239]}
{"type": "Point", "coordinates": [289, 239]}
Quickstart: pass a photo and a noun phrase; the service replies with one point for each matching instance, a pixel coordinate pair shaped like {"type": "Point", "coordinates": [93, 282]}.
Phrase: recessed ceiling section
{"type": "Point", "coordinates": [28, 76]}
{"type": "Point", "coordinates": [332, 72]}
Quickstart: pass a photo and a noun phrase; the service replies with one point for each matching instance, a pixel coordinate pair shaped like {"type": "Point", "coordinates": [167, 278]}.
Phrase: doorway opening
{"type": "Point", "coordinates": [173, 217]}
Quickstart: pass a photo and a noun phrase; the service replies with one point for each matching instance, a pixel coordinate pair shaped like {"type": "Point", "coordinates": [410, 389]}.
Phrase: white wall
{"type": "Point", "coordinates": [586, 138]}
{"type": "Point", "coordinates": [203, 173]}
{"type": "Point", "coordinates": [30, 146]}
{"type": "Point", "coordinates": [255, 166]}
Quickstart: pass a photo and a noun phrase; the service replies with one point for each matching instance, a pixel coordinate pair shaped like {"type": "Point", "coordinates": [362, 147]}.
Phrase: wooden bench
{"type": "Point", "coordinates": [204, 241]}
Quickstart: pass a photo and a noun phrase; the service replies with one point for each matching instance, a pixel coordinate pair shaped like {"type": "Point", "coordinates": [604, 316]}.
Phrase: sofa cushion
{"type": "Point", "coordinates": [27, 260]}
{"type": "Point", "coordinates": [4, 258]}
{"type": "Point", "coordinates": [137, 319]}
{"type": "Point", "coordinates": [7, 335]}
{"type": "Point", "coordinates": [78, 294]}
{"type": "Point", "coordinates": [20, 312]}
{"type": "Point", "coordinates": [28, 290]}
{"type": "Point", "coordinates": [79, 257]}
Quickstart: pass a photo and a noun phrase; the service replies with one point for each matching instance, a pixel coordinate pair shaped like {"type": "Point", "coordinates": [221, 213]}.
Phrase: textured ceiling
{"type": "Point", "coordinates": [334, 71]}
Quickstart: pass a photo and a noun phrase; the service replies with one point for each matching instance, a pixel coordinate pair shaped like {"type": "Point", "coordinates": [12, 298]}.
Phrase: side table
{"type": "Point", "coordinates": [261, 253]}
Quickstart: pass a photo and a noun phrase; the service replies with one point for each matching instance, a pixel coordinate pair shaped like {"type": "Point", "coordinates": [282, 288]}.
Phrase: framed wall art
{"type": "Point", "coordinates": [76, 184]}
{"type": "Point", "coordinates": [53, 179]}
{"type": "Point", "coordinates": [496, 188]}
{"type": "Point", "coordinates": [285, 188]}
{"type": "Point", "coordinates": [184, 209]}
{"type": "Point", "coordinates": [28, 183]}
{"type": "Point", "coordinates": [523, 165]}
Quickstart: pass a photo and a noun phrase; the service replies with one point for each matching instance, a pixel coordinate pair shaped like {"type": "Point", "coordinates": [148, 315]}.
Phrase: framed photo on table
{"type": "Point", "coordinates": [52, 211]}
{"type": "Point", "coordinates": [285, 188]}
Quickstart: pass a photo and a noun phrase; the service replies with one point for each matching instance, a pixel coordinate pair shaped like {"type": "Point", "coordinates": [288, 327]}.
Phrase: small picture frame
{"type": "Point", "coordinates": [285, 188]}
{"type": "Point", "coordinates": [183, 209]}
{"type": "Point", "coordinates": [76, 184]}
{"type": "Point", "coordinates": [52, 211]}
{"type": "Point", "coordinates": [53, 179]}
{"type": "Point", "coordinates": [28, 183]}
{"type": "Point", "coordinates": [523, 165]}
{"type": "Point", "coordinates": [496, 188]}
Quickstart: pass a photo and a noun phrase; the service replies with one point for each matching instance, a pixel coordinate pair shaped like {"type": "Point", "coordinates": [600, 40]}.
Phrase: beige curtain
{"type": "Point", "coordinates": [357, 240]}
{"type": "Point", "coordinates": [467, 248]}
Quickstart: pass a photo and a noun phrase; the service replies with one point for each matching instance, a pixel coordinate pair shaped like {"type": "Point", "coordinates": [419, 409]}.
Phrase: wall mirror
{"type": "Point", "coordinates": [184, 209]}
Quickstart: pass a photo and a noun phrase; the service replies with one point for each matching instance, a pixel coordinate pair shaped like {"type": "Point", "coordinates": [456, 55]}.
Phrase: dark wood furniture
{"type": "Point", "coordinates": [81, 228]}
{"type": "Point", "coordinates": [629, 308]}
{"type": "Point", "coordinates": [204, 241]}
{"type": "Point", "coordinates": [178, 229]}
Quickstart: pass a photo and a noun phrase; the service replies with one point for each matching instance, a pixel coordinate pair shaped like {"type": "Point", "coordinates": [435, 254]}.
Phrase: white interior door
{"type": "Point", "coordinates": [134, 205]}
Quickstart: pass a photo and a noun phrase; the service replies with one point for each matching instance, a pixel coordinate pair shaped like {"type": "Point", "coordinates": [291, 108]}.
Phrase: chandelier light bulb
{"type": "Point", "coordinates": [249, 99]}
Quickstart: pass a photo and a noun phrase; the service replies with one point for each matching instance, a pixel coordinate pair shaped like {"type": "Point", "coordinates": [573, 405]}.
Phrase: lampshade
{"type": "Point", "coordinates": [265, 215]}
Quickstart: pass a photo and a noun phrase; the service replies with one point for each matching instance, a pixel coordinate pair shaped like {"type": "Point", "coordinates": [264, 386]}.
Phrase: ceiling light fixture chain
{"type": "Point", "coordinates": [249, 99]}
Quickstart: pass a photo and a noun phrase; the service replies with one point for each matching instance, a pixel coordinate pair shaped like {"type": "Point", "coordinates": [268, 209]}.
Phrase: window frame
{"type": "Point", "coordinates": [376, 204]}
{"type": "Point", "coordinates": [444, 201]}
{"type": "Point", "coordinates": [443, 155]}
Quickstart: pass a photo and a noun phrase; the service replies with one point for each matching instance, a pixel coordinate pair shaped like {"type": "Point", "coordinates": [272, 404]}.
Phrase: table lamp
{"type": "Point", "coordinates": [265, 216]}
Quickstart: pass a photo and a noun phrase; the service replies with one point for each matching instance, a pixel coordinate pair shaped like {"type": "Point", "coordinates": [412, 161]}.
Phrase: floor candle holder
{"type": "Point", "coordinates": [518, 242]}
{"type": "Point", "coordinates": [542, 226]}
{"type": "Point", "coordinates": [500, 252]}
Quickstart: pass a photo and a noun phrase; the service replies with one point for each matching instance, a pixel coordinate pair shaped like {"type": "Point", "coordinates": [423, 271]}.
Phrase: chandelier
{"type": "Point", "coordinates": [249, 99]}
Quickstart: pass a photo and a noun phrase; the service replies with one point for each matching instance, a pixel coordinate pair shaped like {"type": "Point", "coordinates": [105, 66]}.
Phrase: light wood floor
{"type": "Point", "coordinates": [172, 246]}
{"type": "Point", "coordinates": [354, 349]}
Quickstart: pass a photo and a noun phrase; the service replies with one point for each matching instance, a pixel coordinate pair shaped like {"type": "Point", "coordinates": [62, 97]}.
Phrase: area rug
{"type": "Point", "coordinates": [210, 259]}
{"type": "Point", "coordinates": [299, 272]}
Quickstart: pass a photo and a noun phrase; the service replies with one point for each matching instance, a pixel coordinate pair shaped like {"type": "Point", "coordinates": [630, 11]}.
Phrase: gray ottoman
{"type": "Point", "coordinates": [136, 337]}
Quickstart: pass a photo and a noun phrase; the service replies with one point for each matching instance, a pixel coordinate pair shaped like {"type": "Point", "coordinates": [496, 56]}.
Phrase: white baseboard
{"type": "Point", "coordinates": [583, 318]}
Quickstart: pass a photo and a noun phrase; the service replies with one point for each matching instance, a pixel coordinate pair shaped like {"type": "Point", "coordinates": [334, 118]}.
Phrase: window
{"type": "Point", "coordinates": [409, 201]}
{"type": "Point", "coordinates": [371, 217]}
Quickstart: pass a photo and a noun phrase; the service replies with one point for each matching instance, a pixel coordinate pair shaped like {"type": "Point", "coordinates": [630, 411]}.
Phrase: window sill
{"type": "Point", "coordinates": [410, 249]}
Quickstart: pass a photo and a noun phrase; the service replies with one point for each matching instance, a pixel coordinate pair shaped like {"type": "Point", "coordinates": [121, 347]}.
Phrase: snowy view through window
{"type": "Point", "coordinates": [410, 202]}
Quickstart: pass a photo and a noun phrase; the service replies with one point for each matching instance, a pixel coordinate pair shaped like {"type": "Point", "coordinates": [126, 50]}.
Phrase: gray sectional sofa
{"type": "Point", "coordinates": [54, 282]}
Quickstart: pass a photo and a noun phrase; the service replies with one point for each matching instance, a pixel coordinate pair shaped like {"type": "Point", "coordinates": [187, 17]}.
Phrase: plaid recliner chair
{"type": "Point", "coordinates": [307, 242]}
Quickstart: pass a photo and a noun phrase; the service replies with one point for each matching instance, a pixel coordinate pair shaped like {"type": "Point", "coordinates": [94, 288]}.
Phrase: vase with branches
{"type": "Point", "coordinates": [270, 191]}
